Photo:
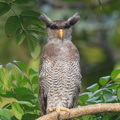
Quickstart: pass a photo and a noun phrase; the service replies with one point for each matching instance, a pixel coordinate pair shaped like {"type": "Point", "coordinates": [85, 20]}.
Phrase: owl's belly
{"type": "Point", "coordinates": [60, 76]}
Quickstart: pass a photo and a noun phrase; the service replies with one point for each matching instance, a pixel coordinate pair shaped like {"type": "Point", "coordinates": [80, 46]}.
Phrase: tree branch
{"type": "Point", "coordinates": [83, 110]}
{"type": "Point", "coordinates": [73, 5]}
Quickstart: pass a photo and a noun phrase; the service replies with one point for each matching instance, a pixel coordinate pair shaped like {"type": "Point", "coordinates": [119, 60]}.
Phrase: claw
{"type": "Point", "coordinates": [51, 109]}
{"type": "Point", "coordinates": [58, 109]}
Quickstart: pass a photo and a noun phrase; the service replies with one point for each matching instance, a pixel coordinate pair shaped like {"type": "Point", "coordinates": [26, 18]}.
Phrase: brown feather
{"type": "Point", "coordinates": [42, 99]}
{"type": "Point", "coordinates": [60, 77]}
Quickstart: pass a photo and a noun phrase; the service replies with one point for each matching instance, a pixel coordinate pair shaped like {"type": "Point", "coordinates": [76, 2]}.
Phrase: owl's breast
{"type": "Point", "coordinates": [60, 67]}
{"type": "Point", "coordinates": [65, 51]}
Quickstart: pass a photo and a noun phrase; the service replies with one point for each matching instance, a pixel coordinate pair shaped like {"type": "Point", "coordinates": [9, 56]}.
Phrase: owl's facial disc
{"type": "Point", "coordinates": [60, 33]}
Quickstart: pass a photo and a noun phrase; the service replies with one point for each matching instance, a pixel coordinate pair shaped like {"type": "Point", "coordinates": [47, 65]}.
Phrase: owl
{"type": "Point", "coordinates": [60, 74]}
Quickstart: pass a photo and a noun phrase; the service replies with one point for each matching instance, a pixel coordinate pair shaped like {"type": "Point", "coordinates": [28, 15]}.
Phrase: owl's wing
{"type": "Point", "coordinates": [75, 101]}
{"type": "Point", "coordinates": [78, 86]}
{"type": "Point", "coordinates": [42, 98]}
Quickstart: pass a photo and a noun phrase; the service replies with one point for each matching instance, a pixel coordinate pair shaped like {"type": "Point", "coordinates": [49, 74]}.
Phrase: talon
{"type": "Point", "coordinates": [58, 110]}
{"type": "Point", "coordinates": [50, 109]}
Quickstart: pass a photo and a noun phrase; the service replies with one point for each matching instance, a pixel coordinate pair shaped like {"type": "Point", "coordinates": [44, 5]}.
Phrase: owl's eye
{"type": "Point", "coordinates": [66, 26]}
{"type": "Point", "coordinates": [53, 27]}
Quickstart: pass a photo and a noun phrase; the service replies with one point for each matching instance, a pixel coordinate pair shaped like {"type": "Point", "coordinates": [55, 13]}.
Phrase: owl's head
{"type": "Point", "coordinates": [59, 29]}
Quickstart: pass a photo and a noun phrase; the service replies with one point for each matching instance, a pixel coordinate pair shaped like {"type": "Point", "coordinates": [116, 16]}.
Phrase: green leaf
{"type": "Point", "coordinates": [22, 82]}
{"type": "Point", "coordinates": [17, 110]}
{"type": "Point", "coordinates": [104, 80]}
{"type": "Point", "coordinates": [37, 29]}
{"type": "Point", "coordinates": [1, 100]}
{"type": "Point", "coordinates": [2, 92]}
{"type": "Point", "coordinates": [88, 117]}
{"type": "Point", "coordinates": [32, 71]}
{"type": "Point", "coordinates": [20, 90]}
{"type": "Point", "coordinates": [8, 73]}
{"type": "Point", "coordinates": [12, 25]}
{"type": "Point", "coordinates": [100, 92]}
{"type": "Point", "coordinates": [9, 94]}
{"type": "Point", "coordinates": [35, 80]}
{"type": "Point", "coordinates": [8, 106]}
{"type": "Point", "coordinates": [28, 97]}
{"type": "Point", "coordinates": [25, 103]}
{"type": "Point", "coordinates": [17, 72]}
{"type": "Point", "coordinates": [24, 94]}
{"type": "Point", "coordinates": [6, 78]}
{"type": "Point", "coordinates": [36, 90]}
{"type": "Point", "coordinates": [115, 73]}
{"type": "Point", "coordinates": [111, 116]}
{"type": "Point", "coordinates": [118, 93]}
{"type": "Point", "coordinates": [94, 100]}
{"type": "Point", "coordinates": [20, 36]}
{"type": "Point", "coordinates": [83, 98]}
{"type": "Point", "coordinates": [112, 86]}
{"type": "Point", "coordinates": [21, 65]}
{"type": "Point", "coordinates": [5, 114]}
{"type": "Point", "coordinates": [1, 71]}
{"type": "Point", "coordinates": [29, 13]}
{"type": "Point", "coordinates": [109, 97]}
{"type": "Point", "coordinates": [9, 66]}
{"type": "Point", "coordinates": [117, 81]}
{"type": "Point", "coordinates": [34, 46]}
{"type": "Point", "coordinates": [93, 87]}
{"type": "Point", "coordinates": [4, 8]}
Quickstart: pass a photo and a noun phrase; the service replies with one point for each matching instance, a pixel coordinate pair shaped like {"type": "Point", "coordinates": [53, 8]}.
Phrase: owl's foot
{"type": "Point", "coordinates": [58, 109]}
{"type": "Point", "coordinates": [51, 109]}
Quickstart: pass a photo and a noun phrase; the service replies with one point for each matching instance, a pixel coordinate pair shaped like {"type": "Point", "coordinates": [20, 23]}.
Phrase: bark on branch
{"type": "Point", "coordinates": [81, 111]}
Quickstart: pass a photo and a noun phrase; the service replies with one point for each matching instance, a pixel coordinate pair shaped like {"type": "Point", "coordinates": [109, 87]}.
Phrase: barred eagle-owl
{"type": "Point", "coordinates": [59, 77]}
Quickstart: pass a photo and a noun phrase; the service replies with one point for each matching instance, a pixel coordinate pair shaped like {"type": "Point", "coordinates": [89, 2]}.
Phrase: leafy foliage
{"type": "Point", "coordinates": [107, 91]}
{"type": "Point", "coordinates": [12, 25]}
{"type": "Point", "coordinates": [34, 46]}
{"type": "Point", "coordinates": [20, 83]}
{"type": "Point", "coordinates": [15, 26]}
{"type": "Point", "coordinates": [4, 8]}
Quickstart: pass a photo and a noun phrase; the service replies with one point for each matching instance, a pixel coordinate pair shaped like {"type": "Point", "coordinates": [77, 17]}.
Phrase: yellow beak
{"type": "Point", "coordinates": [60, 33]}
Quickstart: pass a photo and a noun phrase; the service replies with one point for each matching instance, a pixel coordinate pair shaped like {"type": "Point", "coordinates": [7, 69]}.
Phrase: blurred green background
{"type": "Point", "coordinates": [96, 35]}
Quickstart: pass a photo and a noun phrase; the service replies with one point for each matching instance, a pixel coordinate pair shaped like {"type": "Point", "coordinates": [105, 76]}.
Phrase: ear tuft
{"type": "Point", "coordinates": [45, 19]}
{"type": "Point", "coordinates": [74, 19]}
